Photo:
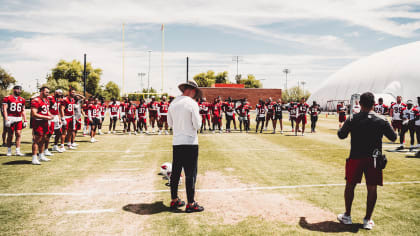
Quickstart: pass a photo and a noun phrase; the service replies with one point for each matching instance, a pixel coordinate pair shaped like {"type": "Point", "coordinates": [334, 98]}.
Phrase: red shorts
{"type": "Point", "coordinates": [86, 120]}
{"type": "Point", "coordinates": [216, 119]}
{"type": "Point", "coordinates": [153, 114]}
{"type": "Point", "coordinates": [16, 126]}
{"type": "Point", "coordinates": [70, 123]}
{"type": "Point", "coordinates": [355, 168]}
{"type": "Point", "coordinates": [163, 119]}
{"type": "Point", "coordinates": [143, 119]}
{"type": "Point", "coordinates": [131, 118]}
{"type": "Point", "coordinates": [40, 127]}
{"type": "Point", "coordinates": [397, 124]}
{"type": "Point", "coordinates": [341, 118]}
{"type": "Point", "coordinates": [51, 127]}
{"type": "Point", "coordinates": [301, 118]}
{"type": "Point", "coordinates": [205, 117]}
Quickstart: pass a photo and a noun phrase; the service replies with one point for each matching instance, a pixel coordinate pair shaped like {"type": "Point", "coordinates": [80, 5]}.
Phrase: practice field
{"type": "Point", "coordinates": [249, 184]}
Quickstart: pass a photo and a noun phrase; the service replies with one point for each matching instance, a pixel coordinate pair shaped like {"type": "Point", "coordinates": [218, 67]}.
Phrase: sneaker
{"type": "Point", "coordinates": [74, 144]}
{"type": "Point", "coordinates": [344, 219]}
{"type": "Point", "coordinates": [55, 148]}
{"type": "Point", "coordinates": [368, 224]}
{"type": "Point", "coordinates": [273, 132]}
{"type": "Point", "coordinates": [166, 132]}
{"type": "Point", "coordinates": [35, 161]}
{"type": "Point", "coordinates": [100, 133]}
{"type": "Point", "coordinates": [220, 131]}
{"type": "Point", "coordinates": [48, 153]}
{"type": "Point", "coordinates": [303, 134]}
{"type": "Point", "coordinates": [176, 204]}
{"type": "Point", "coordinates": [92, 140]}
{"type": "Point", "coordinates": [265, 129]}
{"type": "Point", "coordinates": [9, 153]}
{"type": "Point", "coordinates": [281, 132]}
{"type": "Point", "coordinates": [18, 153]}
{"type": "Point", "coordinates": [42, 158]}
{"type": "Point", "coordinates": [114, 132]}
{"type": "Point", "coordinates": [160, 132]}
{"type": "Point", "coordinates": [71, 147]}
{"type": "Point", "coordinates": [109, 132]}
{"type": "Point", "coordinates": [194, 208]}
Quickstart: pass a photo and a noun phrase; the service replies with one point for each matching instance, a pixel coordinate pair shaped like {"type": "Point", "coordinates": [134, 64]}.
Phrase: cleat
{"type": "Point", "coordinates": [62, 149]}
{"type": "Point", "coordinates": [160, 132]}
{"type": "Point", "coordinates": [176, 204]}
{"type": "Point", "coordinates": [281, 132]}
{"type": "Point", "coordinates": [368, 224]}
{"type": "Point", "coordinates": [303, 134]}
{"type": "Point", "coordinates": [344, 219]}
{"type": "Point", "coordinates": [194, 208]}
{"type": "Point", "coordinates": [56, 148]}
{"type": "Point", "coordinates": [109, 132]}
{"type": "Point", "coordinates": [135, 132]}
{"type": "Point", "coordinates": [42, 158]}
{"type": "Point", "coordinates": [48, 153]}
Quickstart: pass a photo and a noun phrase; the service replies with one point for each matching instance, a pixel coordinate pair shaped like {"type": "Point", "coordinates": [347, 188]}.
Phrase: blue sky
{"type": "Point", "coordinates": [313, 39]}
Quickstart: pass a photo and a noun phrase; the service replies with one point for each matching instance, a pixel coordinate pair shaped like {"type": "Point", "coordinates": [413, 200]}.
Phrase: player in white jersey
{"type": "Point", "coordinates": [408, 115]}
{"type": "Point", "coordinates": [381, 108]}
{"type": "Point", "coordinates": [356, 108]}
{"type": "Point", "coordinates": [395, 113]}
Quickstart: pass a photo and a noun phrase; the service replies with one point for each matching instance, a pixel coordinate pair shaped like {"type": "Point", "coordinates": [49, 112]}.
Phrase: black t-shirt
{"type": "Point", "coordinates": [278, 109]}
{"type": "Point", "coordinates": [367, 130]}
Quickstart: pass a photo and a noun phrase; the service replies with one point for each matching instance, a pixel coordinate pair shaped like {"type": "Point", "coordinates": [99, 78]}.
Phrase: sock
{"type": "Point", "coordinates": [55, 147]}
{"type": "Point", "coordinates": [9, 149]}
{"type": "Point", "coordinates": [62, 145]}
{"type": "Point", "coordinates": [17, 149]}
{"type": "Point", "coordinates": [34, 157]}
{"type": "Point", "coordinates": [41, 155]}
{"type": "Point", "coordinates": [69, 144]}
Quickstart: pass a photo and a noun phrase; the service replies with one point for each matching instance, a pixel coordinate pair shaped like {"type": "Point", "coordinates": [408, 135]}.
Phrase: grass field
{"type": "Point", "coordinates": [113, 187]}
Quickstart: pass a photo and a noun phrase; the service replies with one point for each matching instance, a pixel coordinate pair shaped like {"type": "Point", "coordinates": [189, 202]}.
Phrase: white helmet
{"type": "Point", "coordinates": [166, 169]}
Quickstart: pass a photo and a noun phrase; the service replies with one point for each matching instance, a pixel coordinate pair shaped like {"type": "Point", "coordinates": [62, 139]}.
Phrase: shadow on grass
{"type": "Point", "coordinates": [148, 208]}
{"type": "Point", "coordinates": [18, 162]}
{"type": "Point", "coordinates": [329, 226]}
{"type": "Point", "coordinates": [417, 155]}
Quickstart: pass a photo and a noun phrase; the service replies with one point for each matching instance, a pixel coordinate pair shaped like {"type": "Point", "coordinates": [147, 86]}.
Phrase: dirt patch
{"type": "Point", "coordinates": [236, 205]}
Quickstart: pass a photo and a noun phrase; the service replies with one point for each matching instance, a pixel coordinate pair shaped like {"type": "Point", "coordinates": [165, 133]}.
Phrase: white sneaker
{"type": "Point", "coordinates": [114, 132]}
{"type": "Point", "coordinates": [281, 132]}
{"type": "Point", "coordinates": [18, 153]}
{"type": "Point", "coordinates": [221, 131]}
{"type": "Point", "coordinates": [47, 153]}
{"type": "Point", "coordinates": [303, 134]}
{"type": "Point", "coordinates": [166, 132]}
{"type": "Point", "coordinates": [70, 147]}
{"type": "Point", "coordinates": [61, 150]}
{"type": "Point", "coordinates": [160, 132]}
{"type": "Point", "coordinates": [100, 132]}
{"type": "Point", "coordinates": [213, 131]}
{"type": "Point", "coordinates": [35, 161]}
{"type": "Point", "coordinates": [135, 132]}
{"type": "Point", "coordinates": [368, 224]}
{"type": "Point", "coordinates": [344, 219]}
{"type": "Point", "coordinates": [74, 144]}
{"type": "Point", "coordinates": [92, 140]}
{"type": "Point", "coordinates": [141, 132]}
{"type": "Point", "coordinates": [42, 158]}
{"type": "Point", "coordinates": [109, 132]}
{"type": "Point", "coordinates": [55, 148]}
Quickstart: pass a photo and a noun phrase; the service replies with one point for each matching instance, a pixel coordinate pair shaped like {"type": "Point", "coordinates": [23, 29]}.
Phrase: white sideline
{"type": "Point", "coordinates": [90, 211]}
{"type": "Point", "coordinates": [198, 190]}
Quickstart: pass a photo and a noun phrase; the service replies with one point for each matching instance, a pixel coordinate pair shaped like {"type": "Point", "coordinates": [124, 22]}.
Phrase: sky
{"type": "Point", "coordinates": [313, 39]}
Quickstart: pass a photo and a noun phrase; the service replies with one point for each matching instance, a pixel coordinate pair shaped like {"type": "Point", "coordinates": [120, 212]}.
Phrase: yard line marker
{"type": "Point", "coordinates": [90, 211]}
{"type": "Point", "coordinates": [199, 190]}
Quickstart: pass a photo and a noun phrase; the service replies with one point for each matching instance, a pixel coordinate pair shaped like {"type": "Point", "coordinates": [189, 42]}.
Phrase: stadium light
{"type": "Point", "coordinates": [286, 71]}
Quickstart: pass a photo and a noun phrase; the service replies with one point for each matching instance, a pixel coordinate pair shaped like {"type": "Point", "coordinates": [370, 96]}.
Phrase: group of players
{"type": "Point", "coordinates": [405, 117]}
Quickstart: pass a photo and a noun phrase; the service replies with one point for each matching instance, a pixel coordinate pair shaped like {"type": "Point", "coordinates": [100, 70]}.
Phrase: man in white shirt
{"type": "Point", "coordinates": [185, 120]}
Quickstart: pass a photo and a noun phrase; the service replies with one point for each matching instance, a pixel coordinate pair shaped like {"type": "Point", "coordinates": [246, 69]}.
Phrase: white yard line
{"type": "Point", "coordinates": [124, 169]}
{"type": "Point", "coordinates": [199, 190]}
{"type": "Point", "coordinates": [90, 211]}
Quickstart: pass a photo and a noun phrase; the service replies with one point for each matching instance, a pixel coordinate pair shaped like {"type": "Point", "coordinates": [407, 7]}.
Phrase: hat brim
{"type": "Point", "coordinates": [198, 93]}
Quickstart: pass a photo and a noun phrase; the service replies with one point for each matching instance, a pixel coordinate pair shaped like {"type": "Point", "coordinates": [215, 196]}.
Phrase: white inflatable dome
{"type": "Point", "coordinates": [387, 74]}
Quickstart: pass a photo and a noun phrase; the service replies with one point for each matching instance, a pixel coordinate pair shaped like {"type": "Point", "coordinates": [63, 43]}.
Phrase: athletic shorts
{"type": "Point", "coordinates": [243, 118]}
{"type": "Point", "coordinates": [260, 118]}
{"type": "Point", "coordinates": [278, 116]}
{"type": "Point", "coordinates": [16, 126]}
{"type": "Point", "coordinates": [229, 117]}
{"type": "Point", "coordinates": [70, 123]}
{"type": "Point", "coordinates": [78, 125]}
{"type": "Point", "coordinates": [114, 118]}
{"type": "Point", "coordinates": [355, 168]}
{"type": "Point", "coordinates": [163, 119]}
{"type": "Point", "coordinates": [216, 119]}
{"type": "Point", "coordinates": [205, 117]}
{"type": "Point", "coordinates": [51, 127]}
{"type": "Point", "coordinates": [397, 124]}
{"type": "Point", "coordinates": [143, 119]}
{"type": "Point", "coordinates": [153, 114]}
{"type": "Point", "coordinates": [341, 118]}
{"type": "Point", "coordinates": [301, 119]}
{"type": "Point", "coordinates": [292, 118]}
{"type": "Point", "coordinates": [95, 122]}
{"type": "Point", "coordinates": [131, 118]}
{"type": "Point", "coordinates": [40, 127]}
{"type": "Point", "coordinates": [270, 116]}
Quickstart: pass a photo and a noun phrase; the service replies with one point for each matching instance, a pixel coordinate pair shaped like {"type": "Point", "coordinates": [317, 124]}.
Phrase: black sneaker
{"type": "Point", "coordinates": [194, 208]}
{"type": "Point", "coordinates": [176, 204]}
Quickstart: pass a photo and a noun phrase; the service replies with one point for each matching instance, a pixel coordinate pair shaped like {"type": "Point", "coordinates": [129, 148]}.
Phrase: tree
{"type": "Point", "coordinates": [251, 82]}
{"type": "Point", "coordinates": [70, 73]}
{"type": "Point", "coordinates": [111, 91]}
{"type": "Point", "coordinates": [6, 80]}
{"type": "Point", "coordinates": [294, 94]}
{"type": "Point", "coordinates": [205, 79]}
{"type": "Point", "coordinates": [222, 78]}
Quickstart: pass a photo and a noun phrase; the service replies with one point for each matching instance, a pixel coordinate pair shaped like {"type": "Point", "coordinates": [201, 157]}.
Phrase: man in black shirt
{"type": "Point", "coordinates": [367, 129]}
{"type": "Point", "coordinates": [314, 111]}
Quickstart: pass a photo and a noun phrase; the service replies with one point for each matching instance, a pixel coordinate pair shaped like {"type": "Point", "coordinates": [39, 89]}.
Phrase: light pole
{"type": "Point", "coordinates": [141, 74]}
{"type": "Point", "coordinates": [286, 71]}
{"type": "Point", "coordinates": [237, 59]}
{"type": "Point", "coordinates": [148, 75]}
{"type": "Point", "coordinates": [303, 87]}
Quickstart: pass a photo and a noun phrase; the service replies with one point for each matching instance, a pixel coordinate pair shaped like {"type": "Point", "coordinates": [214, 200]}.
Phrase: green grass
{"type": "Point", "coordinates": [257, 159]}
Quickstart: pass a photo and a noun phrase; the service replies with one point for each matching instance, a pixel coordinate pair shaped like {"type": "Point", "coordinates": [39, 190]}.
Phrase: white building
{"type": "Point", "coordinates": [389, 73]}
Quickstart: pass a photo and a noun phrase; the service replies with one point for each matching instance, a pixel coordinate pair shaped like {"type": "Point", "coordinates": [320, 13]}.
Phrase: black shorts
{"type": "Point", "coordinates": [113, 118]}
{"type": "Point", "coordinates": [95, 122]}
{"type": "Point", "coordinates": [260, 118]}
{"type": "Point", "coordinates": [278, 116]}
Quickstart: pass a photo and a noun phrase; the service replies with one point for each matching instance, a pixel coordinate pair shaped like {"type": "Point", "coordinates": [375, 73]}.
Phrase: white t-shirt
{"type": "Point", "coordinates": [185, 119]}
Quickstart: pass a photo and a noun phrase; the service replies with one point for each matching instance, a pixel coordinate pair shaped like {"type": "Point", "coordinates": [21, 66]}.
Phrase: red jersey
{"type": "Point", "coordinates": [216, 109]}
{"type": "Point", "coordinates": [85, 108]}
{"type": "Point", "coordinates": [113, 109]}
{"type": "Point", "coordinates": [261, 110]}
{"type": "Point", "coordinates": [302, 109]}
{"type": "Point", "coordinates": [163, 108]}
{"type": "Point", "coordinates": [94, 111]}
{"type": "Point", "coordinates": [243, 110]}
{"type": "Point", "coordinates": [123, 107]}
{"type": "Point", "coordinates": [204, 107]}
{"type": "Point", "coordinates": [54, 105]}
{"type": "Point", "coordinates": [15, 105]}
{"type": "Point", "coordinates": [131, 110]}
{"type": "Point", "coordinates": [141, 110]}
{"type": "Point", "coordinates": [270, 106]}
{"type": "Point", "coordinates": [341, 109]}
{"type": "Point", "coordinates": [153, 106]}
{"type": "Point", "coordinates": [103, 109]}
{"type": "Point", "coordinates": [68, 104]}
{"type": "Point", "coordinates": [42, 106]}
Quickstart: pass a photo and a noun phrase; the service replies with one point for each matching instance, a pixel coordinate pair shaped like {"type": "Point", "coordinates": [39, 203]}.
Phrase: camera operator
{"type": "Point", "coordinates": [367, 129]}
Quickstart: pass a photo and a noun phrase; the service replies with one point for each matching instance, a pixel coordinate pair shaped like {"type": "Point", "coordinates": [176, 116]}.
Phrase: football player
{"type": "Point", "coordinates": [55, 123]}
{"type": "Point", "coordinates": [261, 110]}
{"type": "Point", "coordinates": [4, 132]}
{"type": "Point", "coordinates": [381, 108]}
{"type": "Point", "coordinates": [141, 116]}
{"type": "Point", "coordinates": [163, 115]}
{"type": "Point", "coordinates": [229, 113]}
{"type": "Point", "coordinates": [131, 117]}
{"type": "Point", "coordinates": [408, 116]}
{"type": "Point", "coordinates": [292, 114]}
{"type": "Point", "coordinates": [78, 112]}
{"type": "Point", "coordinates": [278, 115]}
{"type": "Point", "coordinates": [314, 111]}
{"type": "Point", "coordinates": [341, 110]}
{"type": "Point", "coordinates": [122, 111]}
{"type": "Point", "coordinates": [395, 113]}
{"type": "Point", "coordinates": [41, 115]}
{"type": "Point", "coordinates": [243, 111]}
{"type": "Point", "coordinates": [270, 112]}
{"type": "Point", "coordinates": [14, 111]}
{"type": "Point", "coordinates": [103, 109]}
{"type": "Point", "coordinates": [94, 114]}
{"type": "Point", "coordinates": [85, 108]}
{"type": "Point", "coordinates": [302, 108]}
{"type": "Point", "coordinates": [67, 119]}
{"type": "Point", "coordinates": [204, 111]}
{"type": "Point", "coordinates": [113, 115]}
{"type": "Point", "coordinates": [153, 113]}
{"type": "Point", "coordinates": [216, 112]}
